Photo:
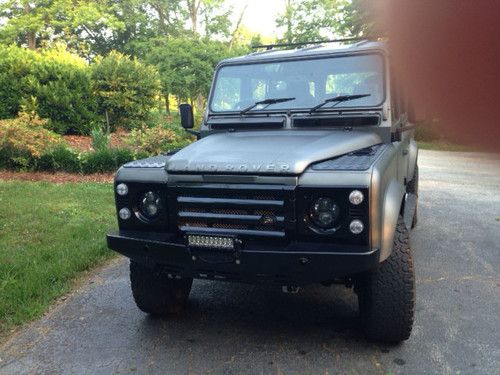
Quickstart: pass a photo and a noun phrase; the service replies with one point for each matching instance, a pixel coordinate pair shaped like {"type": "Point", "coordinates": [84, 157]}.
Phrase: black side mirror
{"type": "Point", "coordinates": [186, 112]}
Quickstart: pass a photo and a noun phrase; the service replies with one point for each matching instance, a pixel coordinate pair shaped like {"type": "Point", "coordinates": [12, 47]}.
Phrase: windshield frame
{"type": "Point", "coordinates": [318, 56]}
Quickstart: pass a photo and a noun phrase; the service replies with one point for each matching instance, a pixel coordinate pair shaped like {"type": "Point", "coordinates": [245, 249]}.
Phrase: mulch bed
{"type": "Point", "coordinates": [83, 143]}
{"type": "Point", "coordinates": [58, 177]}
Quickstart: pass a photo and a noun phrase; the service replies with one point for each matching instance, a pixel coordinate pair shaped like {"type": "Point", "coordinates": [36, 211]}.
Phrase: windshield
{"type": "Point", "coordinates": [308, 82]}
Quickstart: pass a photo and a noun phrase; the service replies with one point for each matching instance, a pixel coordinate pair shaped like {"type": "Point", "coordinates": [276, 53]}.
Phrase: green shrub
{"type": "Point", "coordinates": [124, 88]}
{"type": "Point", "coordinates": [63, 90]}
{"type": "Point", "coordinates": [103, 161]}
{"type": "Point", "coordinates": [16, 76]}
{"type": "Point", "coordinates": [122, 156]}
{"type": "Point", "coordinates": [59, 158]}
{"type": "Point", "coordinates": [57, 82]}
{"type": "Point", "coordinates": [24, 140]}
{"type": "Point", "coordinates": [100, 139]}
{"type": "Point", "coordinates": [158, 139]}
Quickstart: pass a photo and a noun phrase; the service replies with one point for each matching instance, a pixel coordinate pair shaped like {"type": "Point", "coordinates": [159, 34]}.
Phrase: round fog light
{"type": "Point", "coordinates": [122, 189]}
{"type": "Point", "coordinates": [124, 214]}
{"type": "Point", "coordinates": [356, 226]}
{"type": "Point", "coordinates": [356, 197]}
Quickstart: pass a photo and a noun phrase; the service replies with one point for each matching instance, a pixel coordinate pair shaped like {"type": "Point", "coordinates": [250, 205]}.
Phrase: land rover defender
{"type": "Point", "coordinates": [304, 171]}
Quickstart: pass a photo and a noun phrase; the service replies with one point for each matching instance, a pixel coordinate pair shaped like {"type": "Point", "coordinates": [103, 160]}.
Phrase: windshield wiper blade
{"type": "Point", "coordinates": [338, 99]}
{"type": "Point", "coordinates": [265, 101]}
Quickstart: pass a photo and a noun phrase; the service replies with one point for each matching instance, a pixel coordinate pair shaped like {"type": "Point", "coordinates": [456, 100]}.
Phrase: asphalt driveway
{"type": "Point", "coordinates": [241, 329]}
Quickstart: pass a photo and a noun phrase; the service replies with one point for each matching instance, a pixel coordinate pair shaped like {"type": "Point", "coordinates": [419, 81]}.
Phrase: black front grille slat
{"type": "Point", "coordinates": [248, 232]}
{"type": "Point", "coordinates": [356, 212]}
{"type": "Point", "coordinates": [214, 217]}
{"type": "Point", "coordinates": [232, 211]}
{"type": "Point", "coordinates": [229, 202]}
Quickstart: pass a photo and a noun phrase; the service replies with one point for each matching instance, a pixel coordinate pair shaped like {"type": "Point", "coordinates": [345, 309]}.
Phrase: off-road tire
{"type": "Point", "coordinates": [387, 295]}
{"type": "Point", "coordinates": [157, 294]}
{"type": "Point", "coordinates": [412, 187]}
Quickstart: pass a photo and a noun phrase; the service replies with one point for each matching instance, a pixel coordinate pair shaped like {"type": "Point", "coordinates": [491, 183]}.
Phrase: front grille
{"type": "Point", "coordinates": [243, 210]}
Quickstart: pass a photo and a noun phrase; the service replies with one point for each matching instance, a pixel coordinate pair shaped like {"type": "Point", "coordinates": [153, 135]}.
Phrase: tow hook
{"type": "Point", "coordinates": [290, 289]}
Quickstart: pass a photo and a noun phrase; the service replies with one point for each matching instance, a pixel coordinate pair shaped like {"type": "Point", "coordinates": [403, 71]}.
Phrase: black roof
{"type": "Point", "coordinates": [316, 50]}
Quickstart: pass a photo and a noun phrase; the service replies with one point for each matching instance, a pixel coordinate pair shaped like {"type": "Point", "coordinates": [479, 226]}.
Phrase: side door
{"type": "Point", "coordinates": [398, 118]}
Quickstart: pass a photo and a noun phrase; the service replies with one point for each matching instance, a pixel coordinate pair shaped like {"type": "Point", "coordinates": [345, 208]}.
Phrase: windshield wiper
{"type": "Point", "coordinates": [265, 101]}
{"type": "Point", "coordinates": [338, 99]}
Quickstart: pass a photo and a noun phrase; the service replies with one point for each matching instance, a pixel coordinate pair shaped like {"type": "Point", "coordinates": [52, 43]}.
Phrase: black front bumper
{"type": "Point", "coordinates": [295, 264]}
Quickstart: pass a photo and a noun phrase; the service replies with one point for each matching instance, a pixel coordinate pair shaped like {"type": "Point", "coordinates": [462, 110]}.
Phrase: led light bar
{"type": "Point", "coordinates": [215, 242]}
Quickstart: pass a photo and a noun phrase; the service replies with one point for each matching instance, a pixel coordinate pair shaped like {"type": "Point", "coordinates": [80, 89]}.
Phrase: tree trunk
{"type": "Point", "coordinates": [194, 7]}
{"type": "Point", "coordinates": [234, 34]}
{"type": "Point", "coordinates": [30, 35]}
{"type": "Point", "coordinates": [289, 27]}
{"type": "Point", "coordinates": [199, 103]}
{"type": "Point", "coordinates": [167, 104]}
{"type": "Point", "coordinates": [31, 40]}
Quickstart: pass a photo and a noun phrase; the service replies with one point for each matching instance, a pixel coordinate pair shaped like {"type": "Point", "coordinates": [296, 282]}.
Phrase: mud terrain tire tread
{"type": "Point", "coordinates": [155, 293]}
{"type": "Point", "coordinates": [387, 295]}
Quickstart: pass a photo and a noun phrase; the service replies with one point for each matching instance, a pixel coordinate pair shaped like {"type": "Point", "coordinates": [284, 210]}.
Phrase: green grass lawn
{"type": "Point", "coordinates": [49, 233]}
{"type": "Point", "coordinates": [445, 146]}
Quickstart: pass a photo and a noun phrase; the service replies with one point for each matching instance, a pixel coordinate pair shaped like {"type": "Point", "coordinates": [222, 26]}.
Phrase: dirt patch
{"type": "Point", "coordinates": [58, 177]}
{"type": "Point", "coordinates": [83, 143]}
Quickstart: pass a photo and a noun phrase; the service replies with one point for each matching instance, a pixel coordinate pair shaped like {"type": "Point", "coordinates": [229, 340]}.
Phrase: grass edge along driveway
{"type": "Point", "coordinates": [49, 234]}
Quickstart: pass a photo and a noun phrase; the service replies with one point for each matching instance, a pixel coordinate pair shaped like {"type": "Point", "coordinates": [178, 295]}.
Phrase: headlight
{"type": "Point", "coordinates": [324, 213]}
{"type": "Point", "coordinates": [356, 197]}
{"type": "Point", "coordinates": [150, 205]}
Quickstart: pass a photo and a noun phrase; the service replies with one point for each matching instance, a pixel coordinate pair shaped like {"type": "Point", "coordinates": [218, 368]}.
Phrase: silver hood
{"type": "Point", "coordinates": [267, 152]}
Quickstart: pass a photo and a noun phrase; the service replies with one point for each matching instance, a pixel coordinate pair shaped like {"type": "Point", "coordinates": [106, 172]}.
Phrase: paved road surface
{"type": "Point", "coordinates": [239, 329]}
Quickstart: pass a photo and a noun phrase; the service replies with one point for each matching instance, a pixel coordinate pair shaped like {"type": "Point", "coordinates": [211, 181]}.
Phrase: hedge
{"type": "Point", "coordinates": [72, 94]}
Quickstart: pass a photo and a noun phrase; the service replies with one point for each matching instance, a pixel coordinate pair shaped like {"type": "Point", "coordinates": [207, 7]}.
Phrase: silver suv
{"type": "Point", "coordinates": [305, 171]}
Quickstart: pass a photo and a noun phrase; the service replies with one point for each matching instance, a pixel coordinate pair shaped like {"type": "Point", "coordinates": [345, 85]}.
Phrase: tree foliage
{"type": "Point", "coordinates": [311, 20]}
{"type": "Point", "coordinates": [38, 23]}
{"type": "Point", "coordinates": [186, 65]}
{"type": "Point", "coordinates": [60, 73]}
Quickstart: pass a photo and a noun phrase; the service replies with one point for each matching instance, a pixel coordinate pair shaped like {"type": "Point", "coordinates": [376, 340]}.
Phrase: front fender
{"type": "Point", "coordinates": [393, 197]}
{"type": "Point", "coordinates": [412, 157]}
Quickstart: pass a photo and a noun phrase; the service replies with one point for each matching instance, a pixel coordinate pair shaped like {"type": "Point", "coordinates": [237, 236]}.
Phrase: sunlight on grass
{"type": "Point", "coordinates": [49, 233]}
{"type": "Point", "coordinates": [444, 146]}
